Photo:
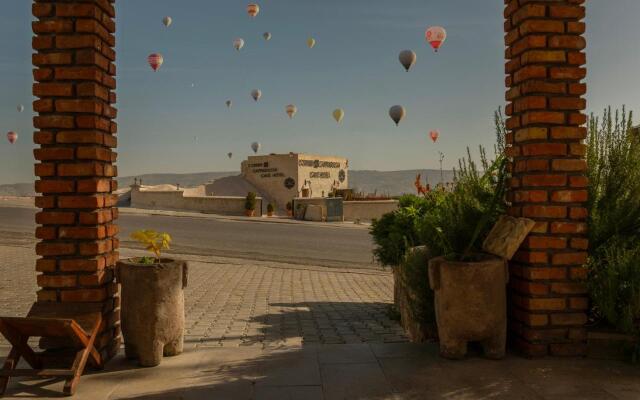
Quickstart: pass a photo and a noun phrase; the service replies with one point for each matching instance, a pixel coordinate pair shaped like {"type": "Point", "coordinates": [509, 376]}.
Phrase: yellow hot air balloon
{"type": "Point", "coordinates": [338, 114]}
{"type": "Point", "coordinates": [311, 42]}
{"type": "Point", "coordinates": [291, 110]}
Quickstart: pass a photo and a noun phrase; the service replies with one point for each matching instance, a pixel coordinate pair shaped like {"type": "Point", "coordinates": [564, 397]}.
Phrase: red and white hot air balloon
{"type": "Point", "coordinates": [434, 135]}
{"type": "Point", "coordinates": [436, 35]}
{"type": "Point", "coordinates": [155, 61]}
{"type": "Point", "coordinates": [253, 10]}
{"type": "Point", "coordinates": [12, 137]}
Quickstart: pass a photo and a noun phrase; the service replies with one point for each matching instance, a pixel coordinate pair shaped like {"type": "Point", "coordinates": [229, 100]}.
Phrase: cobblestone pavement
{"type": "Point", "coordinates": [233, 302]}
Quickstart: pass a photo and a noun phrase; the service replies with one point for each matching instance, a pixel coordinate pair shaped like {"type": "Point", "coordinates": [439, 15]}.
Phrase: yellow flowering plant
{"type": "Point", "coordinates": [154, 242]}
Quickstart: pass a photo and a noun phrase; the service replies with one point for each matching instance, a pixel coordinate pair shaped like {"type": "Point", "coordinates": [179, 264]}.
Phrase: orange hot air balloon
{"type": "Point", "coordinates": [155, 61]}
{"type": "Point", "coordinates": [12, 137]}
{"type": "Point", "coordinates": [436, 35]}
{"type": "Point", "coordinates": [434, 135]}
{"type": "Point", "coordinates": [253, 10]}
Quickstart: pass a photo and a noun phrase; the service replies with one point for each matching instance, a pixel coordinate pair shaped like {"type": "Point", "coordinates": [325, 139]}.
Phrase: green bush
{"type": "Point", "coordinates": [270, 207]}
{"type": "Point", "coordinates": [615, 283]}
{"type": "Point", "coordinates": [614, 178]}
{"type": "Point", "coordinates": [250, 201]}
{"type": "Point", "coordinates": [614, 220]}
{"type": "Point", "coordinates": [396, 232]}
{"type": "Point", "coordinates": [461, 219]}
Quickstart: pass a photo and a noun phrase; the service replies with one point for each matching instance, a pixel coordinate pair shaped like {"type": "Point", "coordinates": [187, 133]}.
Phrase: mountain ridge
{"type": "Point", "coordinates": [368, 181]}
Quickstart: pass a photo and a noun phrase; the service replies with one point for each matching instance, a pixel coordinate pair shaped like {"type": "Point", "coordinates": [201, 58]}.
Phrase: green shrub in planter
{"type": "Point", "coordinates": [250, 201]}
{"type": "Point", "coordinates": [460, 220]}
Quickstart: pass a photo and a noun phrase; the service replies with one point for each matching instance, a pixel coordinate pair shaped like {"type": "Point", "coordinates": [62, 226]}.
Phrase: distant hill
{"type": "Point", "coordinates": [367, 181]}
{"type": "Point", "coordinates": [184, 180]}
{"type": "Point", "coordinates": [394, 182]}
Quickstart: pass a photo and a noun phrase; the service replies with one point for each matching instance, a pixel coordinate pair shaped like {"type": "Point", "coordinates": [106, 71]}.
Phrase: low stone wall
{"type": "Point", "coordinates": [368, 210]}
{"type": "Point", "coordinates": [177, 201]}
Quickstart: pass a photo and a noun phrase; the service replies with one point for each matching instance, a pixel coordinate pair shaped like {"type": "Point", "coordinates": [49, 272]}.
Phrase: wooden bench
{"type": "Point", "coordinates": [76, 324]}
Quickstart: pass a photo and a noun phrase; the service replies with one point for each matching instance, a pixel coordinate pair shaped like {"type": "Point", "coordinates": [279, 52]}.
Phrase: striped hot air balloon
{"type": "Point", "coordinates": [155, 61]}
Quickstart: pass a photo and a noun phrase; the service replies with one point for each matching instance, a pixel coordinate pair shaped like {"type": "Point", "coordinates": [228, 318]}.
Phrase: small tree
{"type": "Point", "coordinates": [250, 202]}
{"type": "Point", "coordinates": [270, 208]}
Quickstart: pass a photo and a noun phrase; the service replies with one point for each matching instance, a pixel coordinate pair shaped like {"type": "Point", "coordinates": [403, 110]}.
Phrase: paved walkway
{"type": "Point", "coordinates": [233, 302]}
{"type": "Point", "coordinates": [347, 371]}
{"type": "Point", "coordinates": [261, 330]}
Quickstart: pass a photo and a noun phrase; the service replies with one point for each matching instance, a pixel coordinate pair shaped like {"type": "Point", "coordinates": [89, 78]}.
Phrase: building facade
{"type": "Point", "coordinates": [282, 177]}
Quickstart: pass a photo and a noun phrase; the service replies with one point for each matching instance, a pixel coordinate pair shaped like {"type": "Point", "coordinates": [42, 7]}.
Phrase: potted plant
{"type": "Point", "coordinates": [290, 209]}
{"type": "Point", "coordinates": [270, 209]}
{"type": "Point", "coordinates": [152, 301]}
{"type": "Point", "coordinates": [454, 230]}
{"type": "Point", "coordinates": [250, 204]}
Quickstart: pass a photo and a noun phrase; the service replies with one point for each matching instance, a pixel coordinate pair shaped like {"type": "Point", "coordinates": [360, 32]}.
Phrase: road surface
{"type": "Point", "coordinates": [297, 243]}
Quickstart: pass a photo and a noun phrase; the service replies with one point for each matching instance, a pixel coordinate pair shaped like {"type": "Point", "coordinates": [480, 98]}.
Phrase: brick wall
{"type": "Point", "coordinates": [74, 83]}
{"type": "Point", "coordinates": [544, 68]}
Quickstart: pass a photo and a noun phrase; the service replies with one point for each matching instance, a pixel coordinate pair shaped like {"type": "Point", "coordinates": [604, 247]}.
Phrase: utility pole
{"type": "Point", "coordinates": [441, 154]}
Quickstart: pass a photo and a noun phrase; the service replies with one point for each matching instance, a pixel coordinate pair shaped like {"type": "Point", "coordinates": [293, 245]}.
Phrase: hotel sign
{"type": "Point", "coordinates": [318, 164]}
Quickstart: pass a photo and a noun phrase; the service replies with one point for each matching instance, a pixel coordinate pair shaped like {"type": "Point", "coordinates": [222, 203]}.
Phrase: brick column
{"type": "Point", "coordinates": [548, 302]}
{"type": "Point", "coordinates": [74, 74]}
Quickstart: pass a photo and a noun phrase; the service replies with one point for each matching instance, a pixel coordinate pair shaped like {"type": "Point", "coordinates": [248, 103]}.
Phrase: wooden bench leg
{"type": "Point", "coordinates": [81, 358]}
{"type": "Point", "coordinates": [78, 366]}
{"type": "Point", "coordinates": [9, 364]}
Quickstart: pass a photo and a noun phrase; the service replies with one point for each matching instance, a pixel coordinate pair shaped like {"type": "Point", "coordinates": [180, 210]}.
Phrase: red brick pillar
{"type": "Point", "coordinates": [74, 74]}
{"type": "Point", "coordinates": [545, 56]}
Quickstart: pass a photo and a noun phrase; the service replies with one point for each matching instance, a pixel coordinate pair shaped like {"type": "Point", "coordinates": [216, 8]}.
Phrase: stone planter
{"type": "Point", "coordinates": [416, 330]}
{"type": "Point", "coordinates": [152, 309]}
{"type": "Point", "coordinates": [410, 302]}
{"type": "Point", "coordinates": [249, 213]}
{"type": "Point", "coordinates": [471, 304]}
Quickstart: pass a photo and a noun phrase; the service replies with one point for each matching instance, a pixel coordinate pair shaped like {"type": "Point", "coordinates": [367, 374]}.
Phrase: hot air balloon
{"type": "Point", "coordinates": [291, 110]}
{"type": "Point", "coordinates": [155, 61]}
{"type": "Point", "coordinates": [407, 59]}
{"type": "Point", "coordinates": [255, 146]}
{"type": "Point", "coordinates": [436, 35]}
{"type": "Point", "coordinates": [256, 94]}
{"type": "Point", "coordinates": [311, 42]}
{"type": "Point", "coordinates": [12, 137]}
{"type": "Point", "coordinates": [238, 43]}
{"type": "Point", "coordinates": [267, 36]}
{"type": "Point", "coordinates": [20, 108]}
{"type": "Point", "coordinates": [338, 114]}
{"type": "Point", "coordinates": [229, 154]}
{"type": "Point", "coordinates": [397, 113]}
{"type": "Point", "coordinates": [167, 21]}
{"type": "Point", "coordinates": [434, 135]}
{"type": "Point", "coordinates": [253, 10]}
{"type": "Point", "coordinates": [229, 103]}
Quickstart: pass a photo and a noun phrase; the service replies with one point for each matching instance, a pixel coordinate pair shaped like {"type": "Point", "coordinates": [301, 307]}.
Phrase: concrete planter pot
{"type": "Point", "coordinates": [249, 213]}
{"type": "Point", "coordinates": [471, 304]}
{"type": "Point", "coordinates": [152, 309]}
{"type": "Point", "coordinates": [409, 299]}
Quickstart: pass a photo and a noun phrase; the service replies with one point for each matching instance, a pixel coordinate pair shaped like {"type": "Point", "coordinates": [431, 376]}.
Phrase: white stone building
{"type": "Point", "coordinates": [282, 177]}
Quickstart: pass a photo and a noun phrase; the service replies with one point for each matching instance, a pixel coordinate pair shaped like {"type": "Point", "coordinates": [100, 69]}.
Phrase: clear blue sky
{"type": "Point", "coordinates": [354, 65]}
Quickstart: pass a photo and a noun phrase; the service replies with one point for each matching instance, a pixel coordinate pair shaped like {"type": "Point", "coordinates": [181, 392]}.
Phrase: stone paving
{"type": "Point", "coordinates": [263, 331]}
{"type": "Point", "coordinates": [346, 371]}
{"type": "Point", "coordinates": [232, 302]}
